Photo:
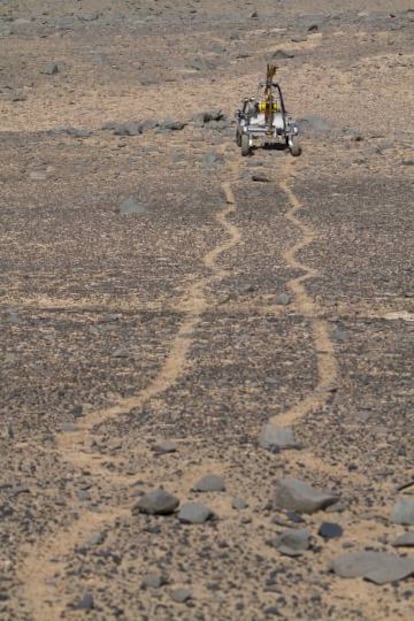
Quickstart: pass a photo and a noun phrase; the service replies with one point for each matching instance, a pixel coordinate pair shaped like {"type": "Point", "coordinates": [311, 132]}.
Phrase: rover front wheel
{"type": "Point", "coordinates": [245, 145]}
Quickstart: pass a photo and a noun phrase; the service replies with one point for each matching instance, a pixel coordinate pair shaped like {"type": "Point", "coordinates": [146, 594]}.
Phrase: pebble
{"type": "Point", "coordinates": [274, 438]}
{"type": "Point", "coordinates": [294, 495]}
{"type": "Point", "coordinates": [261, 178]}
{"type": "Point", "coordinates": [181, 595]}
{"type": "Point", "coordinates": [194, 513]}
{"type": "Point", "coordinates": [403, 512]}
{"type": "Point", "coordinates": [165, 447]}
{"type": "Point", "coordinates": [86, 603]}
{"type": "Point", "coordinates": [158, 502]}
{"type": "Point", "coordinates": [50, 69]}
{"type": "Point", "coordinates": [282, 54]}
{"type": "Point", "coordinates": [283, 299]}
{"type": "Point", "coordinates": [210, 483]}
{"type": "Point", "coordinates": [293, 541]}
{"type": "Point", "coordinates": [154, 581]}
{"type": "Point", "coordinates": [330, 530]}
{"type": "Point", "coordinates": [239, 504]}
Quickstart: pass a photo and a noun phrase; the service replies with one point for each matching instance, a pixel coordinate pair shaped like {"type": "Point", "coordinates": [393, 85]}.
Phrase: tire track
{"type": "Point", "coordinates": [306, 305]}
{"type": "Point", "coordinates": [43, 560]}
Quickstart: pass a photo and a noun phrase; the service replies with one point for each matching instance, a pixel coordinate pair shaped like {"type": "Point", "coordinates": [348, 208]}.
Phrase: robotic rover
{"type": "Point", "coordinates": [263, 119]}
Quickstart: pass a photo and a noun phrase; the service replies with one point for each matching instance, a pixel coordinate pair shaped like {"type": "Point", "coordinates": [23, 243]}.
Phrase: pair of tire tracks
{"type": "Point", "coordinates": [45, 558]}
{"type": "Point", "coordinates": [42, 599]}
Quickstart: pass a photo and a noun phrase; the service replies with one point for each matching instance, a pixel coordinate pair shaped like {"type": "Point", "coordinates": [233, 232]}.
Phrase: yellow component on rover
{"type": "Point", "coordinates": [263, 106]}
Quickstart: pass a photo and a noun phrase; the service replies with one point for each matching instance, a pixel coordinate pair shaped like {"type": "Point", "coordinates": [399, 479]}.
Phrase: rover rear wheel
{"type": "Point", "coordinates": [245, 145]}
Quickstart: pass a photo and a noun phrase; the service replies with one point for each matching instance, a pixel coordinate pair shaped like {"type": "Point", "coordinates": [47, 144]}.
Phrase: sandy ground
{"type": "Point", "coordinates": [223, 303]}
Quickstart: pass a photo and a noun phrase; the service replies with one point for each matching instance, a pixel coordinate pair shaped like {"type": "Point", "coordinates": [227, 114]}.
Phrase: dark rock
{"type": "Point", "coordinates": [275, 438]}
{"type": "Point", "coordinates": [406, 540]}
{"type": "Point", "coordinates": [210, 483]}
{"type": "Point", "coordinates": [313, 28]}
{"type": "Point", "coordinates": [271, 611]}
{"type": "Point", "coordinates": [282, 54]}
{"type": "Point", "coordinates": [165, 447]}
{"type": "Point", "coordinates": [294, 517]}
{"type": "Point", "coordinates": [293, 541]}
{"type": "Point", "coordinates": [158, 502]}
{"type": "Point", "coordinates": [260, 177]}
{"type": "Point", "coordinates": [208, 116]}
{"type": "Point", "coordinates": [408, 161]}
{"type": "Point", "coordinates": [77, 411]}
{"type": "Point", "coordinates": [194, 513]}
{"type": "Point", "coordinates": [96, 539]}
{"type": "Point", "coordinates": [78, 133]}
{"type": "Point", "coordinates": [378, 567]}
{"type": "Point", "coordinates": [294, 495]}
{"type": "Point", "coordinates": [330, 530]}
{"type": "Point", "coordinates": [130, 206]}
{"type": "Point", "coordinates": [50, 69]}
{"type": "Point", "coordinates": [86, 603]}
{"type": "Point", "coordinates": [181, 595]}
{"type": "Point", "coordinates": [403, 512]}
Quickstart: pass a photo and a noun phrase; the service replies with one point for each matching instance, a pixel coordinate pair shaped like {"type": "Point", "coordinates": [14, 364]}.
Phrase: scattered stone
{"type": "Point", "coordinates": [158, 502]}
{"type": "Point", "coordinates": [68, 427]}
{"type": "Point", "coordinates": [78, 133]}
{"type": "Point", "coordinates": [194, 513]}
{"type": "Point", "coordinates": [313, 28]}
{"type": "Point", "coordinates": [378, 567]}
{"type": "Point", "coordinates": [203, 118]}
{"type": "Point", "coordinates": [181, 595]}
{"type": "Point", "coordinates": [165, 447]}
{"type": "Point", "coordinates": [294, 495]}
{"type": "Point", "coordinates": [154, 581]}
{"type": "Point", "coordinates": [403, 512]}
{"type": "Point", "coordinates": [408, 161]}
{"type": "Point", "coordinates": [283, 299]}
{"type": "Point", "coordinates": [130, 206]}
{"type": "Point", "coordinates": [127, 129]}
{"type": "Point", "coordinates": [50, 69]}
{"type": "Point", "coordinates": [293, 541]}
{"type": "Point", "coordinates": [171, 125]}
{"type": "Point", "coordinates": [406, 540]}
{"type": "Point", "coordinates": [239, 504]}
{"type": "Point", "coordinates": [330, 530]}
{"type": "Point", "coordinates": [279, 54]}
{"type": "Point", "coordinates": [96, 539]}
{"type": "Point", "coordinates": [274, 438]}
{"type": "Point", "coordinates": [260, 177]}
{"type": "Point", "coordinates": [86, 603]}
{"type": "Point", "coordinates": [210, 483]}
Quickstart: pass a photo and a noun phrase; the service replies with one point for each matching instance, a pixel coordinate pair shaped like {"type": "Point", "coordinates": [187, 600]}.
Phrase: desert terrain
{"type": "Point", "coordinates": [207, 395]}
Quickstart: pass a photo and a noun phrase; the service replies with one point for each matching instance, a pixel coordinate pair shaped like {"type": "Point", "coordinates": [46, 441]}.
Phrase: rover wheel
{"type": "Point", "coordinates": [245, 144]}
{"type": "Point", "coordinates": [294, 146]}
{"type": "Point", "coordinates": [238, 138]}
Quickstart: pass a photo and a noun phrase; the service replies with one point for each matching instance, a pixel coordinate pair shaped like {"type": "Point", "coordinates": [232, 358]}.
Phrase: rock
{"type": "Point", "coordinates": [378, 567]}
{"type": "Point", "coordinates": [260, 177]}
{"type": "Point", "coordinates": [96, 539]}
{"type": "Point", "coordinates": [275, 438]}
{"type": "Point", "coordinates": [202, 64]}
{"type": "Point", "coordinates": [78, 133]}
{"type": "Point", "coordinates": [171, 125]}
{"type": "Point", "coordinates": [203, 118]}
{"type": "Point", "coordinates": [294, 495]}
{"type": "Point", "coordinates": [279, 54]}
{"type": "Point", "coordinates": [406, 540]}
{"type": "Point", "coordinates": [68, 427]}
{"type": "Point", "coordinates": [77, 411]}
{"type": "Point", "coordinates": [403, 512]}
{"type": "Point", "coordinates": [165, 447]}
{"type": "Point", "coordinates": [121, 352]}
{"type": "Point", "coordinates": [313, 28]}
{"type": "Point", "coordinates": [210, 483]}
{"type": "Point", "coordinates": [293, 541]}
{"type": "Point", "coordinates": [212, 157]}
{"type": "Point", "coordinates": [181, 595]}
{"type": "Point", "coordinates": [194, 513]}
{"type": "Point", "coordinates": [239, 504]}
{"type": "Point", "coordinates": [86, 603]}
{"type": "Point", "coordinates": [283, 299]}
{"type": "Point", "coordinates": [132, 128]}
{"type": "Point", "coordinates": [158, 502]}
{"type": "Point", "coordinates": [408, 161]}
{"type": "Point", "coordinates": [50, 69]}
{"type": "Point", "coordinates": [330, 530]}
{"type": "Point", "coordinates": [130, 206]}
{"type": "Point", "coordinates": [154, 581]}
